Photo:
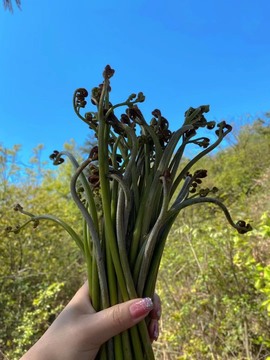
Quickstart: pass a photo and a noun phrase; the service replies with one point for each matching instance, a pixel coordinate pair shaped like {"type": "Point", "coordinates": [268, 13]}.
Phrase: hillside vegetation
{"type": "Point", "coordinates": [213, 282]}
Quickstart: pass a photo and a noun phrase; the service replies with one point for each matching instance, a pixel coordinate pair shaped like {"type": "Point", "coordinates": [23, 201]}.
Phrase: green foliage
{"type": "Point", "coordinates": [34, 259]}
{"type": "Point", "coordinates": [234, 169]}
{"type": "Point", "coordinates": [217, 310]}
{"type": "Point", "coordinates": [36, 320]}
{"type": "Point", "coordinates": [214, 284]}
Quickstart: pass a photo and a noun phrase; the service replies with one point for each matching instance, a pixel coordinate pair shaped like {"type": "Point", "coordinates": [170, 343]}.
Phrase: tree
{"type": "Point", "coordinates": [215, 284]}
{"type": "Point", "coordinates": [40, 268]}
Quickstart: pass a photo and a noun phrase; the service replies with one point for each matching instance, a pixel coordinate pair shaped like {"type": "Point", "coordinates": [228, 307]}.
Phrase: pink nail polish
{"type": "Point", "coordinates": [140, 308]}
{"type": "Point", "coordinates": [155, 331]}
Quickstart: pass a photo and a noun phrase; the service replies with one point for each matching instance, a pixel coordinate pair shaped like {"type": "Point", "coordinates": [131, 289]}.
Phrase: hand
{"type": "Point", "coordinates": [79, 331]}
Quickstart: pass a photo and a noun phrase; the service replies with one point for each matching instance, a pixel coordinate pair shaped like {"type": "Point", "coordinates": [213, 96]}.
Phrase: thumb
{"type": "Point", "coordinates": [120, 317]}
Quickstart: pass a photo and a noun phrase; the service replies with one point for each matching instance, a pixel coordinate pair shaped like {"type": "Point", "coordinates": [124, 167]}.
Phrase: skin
{"type": "Point", "coordinates": [79, 331]}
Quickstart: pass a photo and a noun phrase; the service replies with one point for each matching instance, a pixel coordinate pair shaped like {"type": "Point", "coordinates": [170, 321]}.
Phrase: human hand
{"type": "Point", "coordinates": [79, 331]}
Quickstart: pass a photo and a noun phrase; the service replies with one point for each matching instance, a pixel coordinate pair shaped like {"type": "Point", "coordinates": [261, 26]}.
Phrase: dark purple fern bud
{"type": "Point", "coordinates": [8, 229]}
{"type": "Point", "coordinates": [200, 174]}
{"type": "Point", "coordinates": [125, 119]}
{"type": "Point", "coordinates": [204, 192]}
{"type": "Point", "coordinates": [94, 153]}
{"type": "Point", "coordinates": [108, 72]}
{"type": "Point", "coordinates": [35, 224]}
{"type": "Point", "coordinates": [140, 97]}
{"type": "Point", "coordinates": [58, 161]}
{"type": "Point", "coordinates": [210, 125]}
{"type": "Point", "coordinates": [156, 113]}
{"type": "Point", "coordinates": [89, 117]}
{"type": "Point", "coordinates": [242, 227]}
{"type": "Point", "coordinates": [54, 154]}
{"type": "Point", "coordinates": [134, 112]}
{"type": "Point", "coordinates": [164, 123]}
{"type": "Point", "coordinates": [18, 207]}
{"type": "Point", "coordinates": [80, 96]}
{"type": "Point", "coordinates": [94, 180]}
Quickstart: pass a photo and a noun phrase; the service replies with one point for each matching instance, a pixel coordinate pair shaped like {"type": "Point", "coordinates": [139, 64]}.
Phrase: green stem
{"type": "Point", "coordinates": [152, 276]}
{"type": "Point", "coordinates": [183, 173]}
{"type": "Point", "coordinates": [134, 152]}
{"type": "Point", "coordinates": [121, 227]}
{"type": "Point", "coordinates": [188, 202]}
{"type": "Point", "coordinates": [145, 340]}
{"type": "Point", "coordinates": [60, 222]}
{"type": "Point", "coordinates": [124, 203]}
{"type": "Point", "coordinates": [163, 165]}
{"type": "Point", "coordinates": [110, 238]}
{"type": "Point", "coordinates": [95, 286]}
{"type": "Point", "coordinates": [137, 233]}
{"type": "Point", "coordinates": [88, 193]}
{"type": "Point", "coordinates": [88, 256]}
{"type": "Point", "coordinates": [94, 235]}
{"type": "Point", "coordinates": [77, 112]}
{"type": "Point", "coordinates": [184, 190]}
{"type": "Point", "coordinates": [152, 239]}
{"type": "Point", "coordinates": [158, 149]}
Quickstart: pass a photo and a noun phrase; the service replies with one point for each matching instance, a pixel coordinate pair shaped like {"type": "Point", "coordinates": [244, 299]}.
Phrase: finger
{"type": "Point", "coordinates": [81, 300]}
{"type": "Point", "coordinates": [153, 329]}
{"type": "Point", "coordinates": [156, 312]}
{"type": "Point", "coordinates": [120, 317]}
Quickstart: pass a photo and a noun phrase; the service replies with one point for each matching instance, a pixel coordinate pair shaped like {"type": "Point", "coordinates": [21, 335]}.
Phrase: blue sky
{"type": "Point", "coordinates": [179, 53]}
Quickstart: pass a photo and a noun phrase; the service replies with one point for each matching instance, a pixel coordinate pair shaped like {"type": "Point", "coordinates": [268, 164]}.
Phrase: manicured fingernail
{"type": "Point", "coordinates": [155, 331]}
{"type": "Point", "coordinates": [140, 308]}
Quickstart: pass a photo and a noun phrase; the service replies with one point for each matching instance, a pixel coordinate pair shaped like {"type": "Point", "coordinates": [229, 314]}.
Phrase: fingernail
{"type": "Point", "coordinates": [140, 308]}
{"type": "Point", "coordinates": [155, 331]}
